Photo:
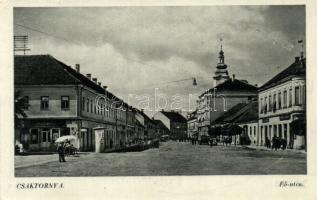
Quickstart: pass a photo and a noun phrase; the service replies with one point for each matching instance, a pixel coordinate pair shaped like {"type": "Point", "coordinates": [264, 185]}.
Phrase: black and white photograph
{"type": "Point", "coordinates": [158, 99]}
{"type": "Point", "coordinates": [159, 91]}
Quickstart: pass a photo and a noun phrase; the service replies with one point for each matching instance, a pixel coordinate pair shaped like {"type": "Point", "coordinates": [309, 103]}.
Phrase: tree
{"type": "Point", "coordinates": [20, 104]}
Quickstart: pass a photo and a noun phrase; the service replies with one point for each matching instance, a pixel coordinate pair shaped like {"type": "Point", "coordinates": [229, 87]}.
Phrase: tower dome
{"type": "Point", "coordinates": [221, 73]}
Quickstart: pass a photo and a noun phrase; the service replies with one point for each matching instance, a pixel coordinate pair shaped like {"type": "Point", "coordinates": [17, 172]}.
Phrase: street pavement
{"type": "Point", "coordinates": [172, 158]}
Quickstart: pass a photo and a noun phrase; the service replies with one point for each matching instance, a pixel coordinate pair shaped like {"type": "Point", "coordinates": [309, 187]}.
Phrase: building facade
{"type": "Point", "coordinates": [282, 100]}
{"type": "Point", "coordinates": [174, 121]}
{"type": "Point", "coordinates": [62, 101]}
{"type": "Point", "coordinates": [192, 128]}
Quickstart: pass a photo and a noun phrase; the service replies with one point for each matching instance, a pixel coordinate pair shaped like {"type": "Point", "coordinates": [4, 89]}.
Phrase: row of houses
{"type": "Point", "coordinates": [277, 108]}
{"type": "Point", "coordinates": [58, 100]}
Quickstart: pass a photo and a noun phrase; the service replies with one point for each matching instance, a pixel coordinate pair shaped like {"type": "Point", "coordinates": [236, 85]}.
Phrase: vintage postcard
{"type": "Point", "coordinates": [157, 100]}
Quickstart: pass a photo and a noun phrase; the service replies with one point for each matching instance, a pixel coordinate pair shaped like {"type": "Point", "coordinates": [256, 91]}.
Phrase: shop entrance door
{"type": "Point", "coordinates": [46, 138]}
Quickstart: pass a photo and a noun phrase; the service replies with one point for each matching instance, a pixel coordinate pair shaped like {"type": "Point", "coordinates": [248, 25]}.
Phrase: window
{"type": "Point", "coordinates": [91, 106]}
{"type": "Point", "coordinates": [87, 105]}
{"type": "Point", "coordinates": [44, 103]}
{"type": "Point", "coordinates": [279, 100]}
{"type": "Point", "coordinates": [55, 134]}
{"type": "Point", "coordinates": [297, 96]}
{"type": "Point", "coordinates": [290, 102]}
{"type": "Point", "coordinates": [270, 103]}
{"type": "Point", "coordinates": [265, 105]}
{"type": "Point", "coordinates": [83, 104]}
{"type": "Point", "coordinates": [34, 136]}
{"type": "Point", "coordinates": [250, 131]}
{"type": "Point", "coordinates": [285, 99]}
{"type": "Point", "coordinates": [261, 104]}
{"type": "Point", "coordinates": [65, 102]}
{"type": "Point", "coordinates": [274, 102]}
{"type": "Point", "coordinates": [25, 102]}
{"type": "Point", "coordinates": [254, 130]}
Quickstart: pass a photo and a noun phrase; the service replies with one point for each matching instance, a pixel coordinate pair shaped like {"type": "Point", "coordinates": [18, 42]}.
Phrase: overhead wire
{"type": "Point", "coordinates": [136, 61]}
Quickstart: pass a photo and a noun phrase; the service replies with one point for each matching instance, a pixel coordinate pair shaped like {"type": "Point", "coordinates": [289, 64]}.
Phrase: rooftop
{"type": "Point", "coordinates": [242, 112]}
{"type": "Point", "coordinates": [233, 85]}
{"type": "Point", "coordinates": [298, 68]}
{"type": "Point", "coordinates": [174, 116]}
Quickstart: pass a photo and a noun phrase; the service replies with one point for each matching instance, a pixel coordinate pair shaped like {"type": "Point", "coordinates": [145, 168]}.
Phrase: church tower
{"type": "Point", "coordinates": [221, 74]}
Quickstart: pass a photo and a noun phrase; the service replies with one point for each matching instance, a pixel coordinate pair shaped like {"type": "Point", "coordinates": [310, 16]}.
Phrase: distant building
{"type": "Point", "coordinates": [161, 129]}
{"type": "Point", "coordinates": [192, 128]}
{"type": "Point", "coordinates": [174, 121]}
{"type": "Point", "coordinates": [282, 101]}
{"type": "Point", "coordinates": [226, 93]}
{"type": "Point", "coordinates": [149, 125]}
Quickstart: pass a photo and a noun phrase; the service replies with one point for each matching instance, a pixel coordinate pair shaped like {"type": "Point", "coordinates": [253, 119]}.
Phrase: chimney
{"type": "Point", "coordinates": [233, 76]}
{"type": "Point", "coordinates": [297, 59]}
{"type": "Point", "coordinates": [94, 80]}
{"type": "Point", "coordinates": [256, 85]}
{"type": "Point", "coordinates": [88, 76]}
{"type": "Point", "coordinates": [105, 87]}
{"type": "Point", "coordinates": [99, 83]}
{"type": "Point", "coordinates": [142, 110]}
{"type": "Point", "coordinates": [77, 66]}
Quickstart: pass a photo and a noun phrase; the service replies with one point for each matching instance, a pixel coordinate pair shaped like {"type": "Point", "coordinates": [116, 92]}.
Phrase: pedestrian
{"type": "Point", "coordinates": [61, 152]}
{"type": "Point", "coordinates": [278, 143]}
{"type": "Point", "coordinates": [284, 142]}
{"type": "Point", "coordinates": [267, 142]}
{"type": "Point", "coordinates": [273, 142]}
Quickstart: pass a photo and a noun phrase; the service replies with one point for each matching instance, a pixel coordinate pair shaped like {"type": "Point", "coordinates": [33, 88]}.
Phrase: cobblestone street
{"type": "Point", "coordinates": [173, 158]}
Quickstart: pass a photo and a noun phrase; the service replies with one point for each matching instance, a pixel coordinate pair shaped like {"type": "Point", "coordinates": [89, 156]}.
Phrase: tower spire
{"type": "Point", "coordinates": [221, 56]}
{"type": "Point", "coordinates": [221, 73]}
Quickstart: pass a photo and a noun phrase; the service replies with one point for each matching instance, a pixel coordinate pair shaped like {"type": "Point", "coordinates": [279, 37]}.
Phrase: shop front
{"type": "Point", "coordinates": [40, 135]}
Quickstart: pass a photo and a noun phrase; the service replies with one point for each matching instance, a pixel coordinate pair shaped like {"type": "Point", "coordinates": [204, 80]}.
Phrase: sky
{"type": "Point", "coordinates": [148, 56]}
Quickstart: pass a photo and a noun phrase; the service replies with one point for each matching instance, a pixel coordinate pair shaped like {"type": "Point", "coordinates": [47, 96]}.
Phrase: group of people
{"type": "Point", "coordinates": [276, 143]}
{"type": "Point", "coordinates": [194, 140]}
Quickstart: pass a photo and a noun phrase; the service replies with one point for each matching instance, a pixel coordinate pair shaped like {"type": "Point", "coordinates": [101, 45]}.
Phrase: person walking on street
{"type": "Point", "coordinates": [61, 153]}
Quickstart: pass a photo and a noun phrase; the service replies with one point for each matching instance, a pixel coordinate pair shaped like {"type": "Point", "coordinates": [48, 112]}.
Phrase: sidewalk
{"type": "Point", "coordinates": [32, 160]}
{"type": "Point", "coordinates": [262, 148]}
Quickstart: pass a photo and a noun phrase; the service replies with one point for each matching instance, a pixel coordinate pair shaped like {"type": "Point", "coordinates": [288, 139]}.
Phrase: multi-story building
{"type": "Point", "coordinates": [192, 128]}
{"type": "Point", "coordinates": [174, 121]}
{"type": "Point", "coordinates": [62, 101]}
{"type": "Point", "coordinates": [281, 102]}
{"type": "Point", "coordinates": [150, 131]}
{"type": "Point", "coordinates": [226, 93]}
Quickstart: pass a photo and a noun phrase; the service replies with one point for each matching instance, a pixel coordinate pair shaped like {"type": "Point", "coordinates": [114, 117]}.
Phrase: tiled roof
{"type": "Point", "coordinates": [242, 112]}
{"type": "Point", "coordinates": [298, 68]}
{"type": "Point", "coordinates": [250, 114]}
{"type": "Point", "coordinates": [230, 114]}
{"type": "Point", "coordinates": [233, 85]}
{"type": "Point", "coordinates": [174, 116]}
{"type": "Point", "coordinates": [46, 70]}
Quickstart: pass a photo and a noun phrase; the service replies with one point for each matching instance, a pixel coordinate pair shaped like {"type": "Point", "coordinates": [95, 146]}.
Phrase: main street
{"type": "Point", "coordinates": [174, 158]}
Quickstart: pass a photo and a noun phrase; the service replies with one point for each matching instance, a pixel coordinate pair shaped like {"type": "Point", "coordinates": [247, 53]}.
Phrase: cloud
{"type": "Point", "coordinates": [135, 49]}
